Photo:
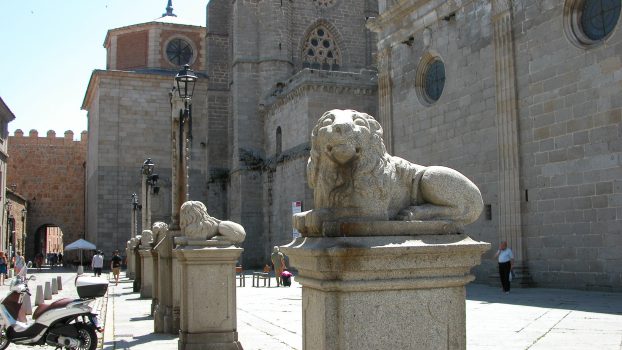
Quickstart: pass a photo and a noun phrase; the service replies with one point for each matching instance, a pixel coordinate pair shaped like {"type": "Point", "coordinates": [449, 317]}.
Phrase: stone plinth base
{"type": "Point", "coordinates": [146, 278]}
{"type": "Point", "coordinates": [208, 319]}
{"type": "Point", "coordinates": [389, 292]}
{"type": "Point", "coordinates": [209, 341]}
{"type": "Point", "coordinates": [163, 315]}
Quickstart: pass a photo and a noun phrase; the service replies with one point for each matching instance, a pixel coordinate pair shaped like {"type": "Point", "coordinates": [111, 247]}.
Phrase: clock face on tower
{"type": "Point", "coordinates": [179, 52]}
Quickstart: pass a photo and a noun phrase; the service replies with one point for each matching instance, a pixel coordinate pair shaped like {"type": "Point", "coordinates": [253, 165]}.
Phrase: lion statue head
{"type": "Point", "coordinates": [347, 159]}
{"type": "Point", "coordinates": [146, 238]}
{"type": "Point", "coordinates": [159, 229]}
{"type": "Point", "coordinates": [195, 222]}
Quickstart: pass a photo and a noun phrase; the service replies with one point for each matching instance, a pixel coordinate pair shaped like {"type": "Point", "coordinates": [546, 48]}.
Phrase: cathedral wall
{"type": "Point", "coordinates": [133, 123]}
{"type": "Point", "coordinates": [568, 128]}
{"type": "Point", "coordinates": [570, 111]}
{"type": "Point", "coordinates": [459, 129]}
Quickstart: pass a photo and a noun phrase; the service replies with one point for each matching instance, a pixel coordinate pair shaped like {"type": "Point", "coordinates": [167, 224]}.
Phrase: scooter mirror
{"type": "Point", "coordinates": [29, 264]}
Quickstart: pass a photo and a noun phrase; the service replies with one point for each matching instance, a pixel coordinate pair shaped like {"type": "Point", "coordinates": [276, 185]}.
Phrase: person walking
{"type": "Point", "coordinates": [3, 267]}
{"type": "Point", "coordinates": [115, 266]}
{"type": "Point", "coordinates": [97, 263]}
{"type": "Point", "coordinates": [278, 262]}
{"type": "Point", "coordinates": [18, 263]}
{"type": "Point", "coordinates": [506, 260]}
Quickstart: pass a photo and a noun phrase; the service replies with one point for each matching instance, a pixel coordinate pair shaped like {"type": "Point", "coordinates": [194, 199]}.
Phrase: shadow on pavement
{"type": "Point", "coordinates": [588, 301]}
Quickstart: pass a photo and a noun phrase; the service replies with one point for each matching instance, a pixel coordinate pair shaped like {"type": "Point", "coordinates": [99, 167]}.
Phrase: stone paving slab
{"type": "Point", "coordinates": [526, 319]}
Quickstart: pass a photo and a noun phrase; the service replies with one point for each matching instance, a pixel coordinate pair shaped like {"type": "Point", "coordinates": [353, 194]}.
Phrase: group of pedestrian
{"type": "Point", "coordinates": [97, 264]}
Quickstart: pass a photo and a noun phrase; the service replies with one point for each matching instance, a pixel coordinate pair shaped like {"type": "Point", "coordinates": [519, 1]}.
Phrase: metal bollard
{"type": "Point", "coordinates": [59, 282]}
{"type": "Point", "coordinates": [39, 295]}
{"type": "Point", "coordinates": [54, 286]}
{"type": "Point", "coordinates": [27, 305]}
{"type": "Point", "coordinates": [47, 292]}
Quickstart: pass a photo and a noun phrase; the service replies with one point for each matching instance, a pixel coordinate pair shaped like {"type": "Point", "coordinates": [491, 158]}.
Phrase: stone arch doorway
{"type": "Point", "coordinates": [48, 238]}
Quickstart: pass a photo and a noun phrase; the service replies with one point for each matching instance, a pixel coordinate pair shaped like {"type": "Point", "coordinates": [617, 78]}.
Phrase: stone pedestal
{"type": "Point", "coordinates": [163, 313]}
{"type": "Point", "coordinates": [384, 292]}
{"type": "Point", "coordinates": [146, 280]}
{"type": "Point", "coordinates": [137, 271]}
{"type": "Point", "coordinates": [176, 310]}
{"type": "Point", "coordinates": [155, 280]}
{"type": "Point", "coordinates": [130, 263]}
{"type": "Point", "coordinates": [208, 297]}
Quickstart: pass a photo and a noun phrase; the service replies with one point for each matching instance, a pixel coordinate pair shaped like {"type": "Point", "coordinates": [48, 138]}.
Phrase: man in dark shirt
{"type": "Point", "coordinates": [115, 266]}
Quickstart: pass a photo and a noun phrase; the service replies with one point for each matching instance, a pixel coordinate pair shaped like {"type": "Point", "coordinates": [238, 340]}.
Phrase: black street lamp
{"type": "Point", "coordinates": [135, 208]}
{"type": "Point", "coordinates": [185, 82]}
{"type": "Point", "coordinates": [148, 166]}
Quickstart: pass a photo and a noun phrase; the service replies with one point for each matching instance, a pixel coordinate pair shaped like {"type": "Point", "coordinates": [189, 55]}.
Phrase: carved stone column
{"type": "Point", "coordinates": [507, 134]}
{"type": "Point", "coordinates": [384, 96]}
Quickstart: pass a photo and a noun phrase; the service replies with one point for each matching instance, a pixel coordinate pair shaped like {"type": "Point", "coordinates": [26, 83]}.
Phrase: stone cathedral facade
{"type": "Point", "coordinates": [522, 96]}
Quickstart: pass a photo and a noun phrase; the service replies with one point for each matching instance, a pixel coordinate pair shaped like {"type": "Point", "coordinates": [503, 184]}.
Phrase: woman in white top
{"type": "Point", "coordinates": [506, 260]}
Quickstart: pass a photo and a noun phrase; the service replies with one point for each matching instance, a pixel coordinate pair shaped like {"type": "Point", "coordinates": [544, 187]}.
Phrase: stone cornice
{"type": "Point", "coordinates": [144, 74]}
{"type": "Point", "coordinates": [311, 80]}
{"type": "Point", "coordinates": [407, 17]}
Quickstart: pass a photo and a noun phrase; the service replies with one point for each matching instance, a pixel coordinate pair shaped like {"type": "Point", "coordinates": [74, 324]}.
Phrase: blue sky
{"type": "Point", "coordinates": [50, 48]}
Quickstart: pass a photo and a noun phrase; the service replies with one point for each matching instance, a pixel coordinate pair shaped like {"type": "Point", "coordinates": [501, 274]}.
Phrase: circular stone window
{"type": "Point", "coordinates": [179, 52]}
{"type": "Point", "coordinates": [430, 80]}
{"type": "Point", "coordinates": [589, 22]}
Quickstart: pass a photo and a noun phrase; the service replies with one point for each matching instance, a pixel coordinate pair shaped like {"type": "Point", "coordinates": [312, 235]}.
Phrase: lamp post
{"type": "Point", "coordinates": [23, 242]}
{"type": "Point", "coordinates": [185, 81]}
{"type": "Point", "coordinates": [135, 208]}
{"type": "Point", "coordinates": [9, 240]}
{"type": "Point", "coordinates": [147, 171]}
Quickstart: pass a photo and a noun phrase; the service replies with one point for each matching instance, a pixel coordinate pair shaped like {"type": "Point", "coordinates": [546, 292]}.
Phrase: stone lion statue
{"type": "Point", "coordinates": [159, 230]}
{"type": "Point", "coordinates": [197, 224]}
{"type": "Point", "coordinates": [146, 238]}
{"type": "Point", "coordinates": [354, 179]}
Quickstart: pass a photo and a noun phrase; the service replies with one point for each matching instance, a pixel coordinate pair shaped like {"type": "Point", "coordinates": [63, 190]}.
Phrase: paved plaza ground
{"type": "Point", "coordinates": [270, 318]}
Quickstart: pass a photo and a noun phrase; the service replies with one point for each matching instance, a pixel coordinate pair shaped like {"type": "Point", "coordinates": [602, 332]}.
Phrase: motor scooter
{"type": "Point", "coordinates": [66, 323]}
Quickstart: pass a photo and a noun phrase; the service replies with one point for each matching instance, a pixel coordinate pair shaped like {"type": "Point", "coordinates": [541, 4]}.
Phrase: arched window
{"type": "Point", "coordinates": [320, 50]}
{"type": "Point", "coordinates": [279, 138]}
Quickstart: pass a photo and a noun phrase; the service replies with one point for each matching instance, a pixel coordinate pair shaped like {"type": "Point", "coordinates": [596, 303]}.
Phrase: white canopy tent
{"type": "Point", "coordinates": [81, 245]}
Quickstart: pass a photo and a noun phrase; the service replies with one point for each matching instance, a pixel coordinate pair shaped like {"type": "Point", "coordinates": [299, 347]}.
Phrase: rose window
{"type": "Point", "coordinates": [320, 52]}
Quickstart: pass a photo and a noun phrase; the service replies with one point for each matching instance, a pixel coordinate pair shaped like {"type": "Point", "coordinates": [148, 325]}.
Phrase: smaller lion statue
{"type": "Point", "coordinates": [159, 230]}
{"type": "Point", "coordinates": [146, 238]}
{"type": "Point", "coordinates": [354, 179]}
{"type": "Point", "coordinates": [197, 224]}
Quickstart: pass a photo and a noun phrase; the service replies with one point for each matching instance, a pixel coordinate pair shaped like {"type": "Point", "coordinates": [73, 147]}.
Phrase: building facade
{"type": "Point", "coordinates": [521, 96]}
{"type": "Point", "coordinates": [129, 120]}
{"type": "Point", "coordinates": [525, 98]}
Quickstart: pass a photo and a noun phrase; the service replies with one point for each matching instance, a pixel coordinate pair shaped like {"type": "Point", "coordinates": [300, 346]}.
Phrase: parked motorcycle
{"type": "Point", "coordinates": [65, 323]}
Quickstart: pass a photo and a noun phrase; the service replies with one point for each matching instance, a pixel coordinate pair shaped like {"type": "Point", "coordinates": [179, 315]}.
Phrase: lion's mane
{"type": "Point", "coordinates": [369, 180]}
{"type": "Point", "coordinates": [195, 222]}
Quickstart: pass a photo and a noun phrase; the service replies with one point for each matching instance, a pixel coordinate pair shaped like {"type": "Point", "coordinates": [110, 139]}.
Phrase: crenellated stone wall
{"type": "Point", "coordinates": [49, 172]}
